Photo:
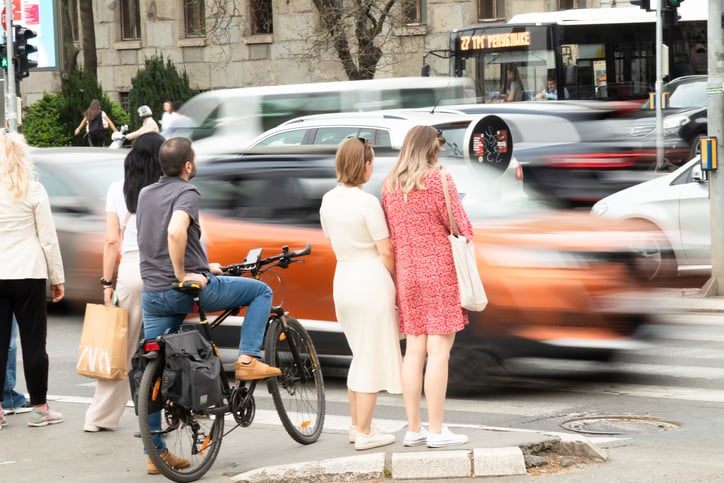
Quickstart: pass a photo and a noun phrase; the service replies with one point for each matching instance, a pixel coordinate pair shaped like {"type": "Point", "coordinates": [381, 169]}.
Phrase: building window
{"type": "Point", "coordinates": [195, 18]}
{"type": "Point", "coordinates": [412, 11]}
{"type": "Point", "coordinates": [130, 19]}
{"type": "Point", "coordinates": [261, 17]}
{"type": "Point", "coordinates": [566, 4]}
{"type": "Point", "coordinates": [491, 9]}
{"type": "Point", "coordinates": [125, 103]}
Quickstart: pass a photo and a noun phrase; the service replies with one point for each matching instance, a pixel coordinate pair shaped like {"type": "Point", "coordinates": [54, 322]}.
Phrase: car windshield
{"type": "Point", "coordinates": [87, 180]}
{"type": "Point", "coordinates": [684, 95]}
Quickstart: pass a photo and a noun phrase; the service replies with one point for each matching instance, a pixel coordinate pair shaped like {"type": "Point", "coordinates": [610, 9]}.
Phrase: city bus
{"type": "Point", "coordinates": [598, 53]}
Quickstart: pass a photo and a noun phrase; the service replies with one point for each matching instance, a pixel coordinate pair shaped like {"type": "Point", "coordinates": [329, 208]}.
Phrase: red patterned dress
{"type": "Point", "coordinates": [428, 298]}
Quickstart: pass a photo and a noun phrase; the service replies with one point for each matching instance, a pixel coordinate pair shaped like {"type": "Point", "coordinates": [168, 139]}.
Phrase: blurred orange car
{"type": "Point", "coordinates": [560, 284]}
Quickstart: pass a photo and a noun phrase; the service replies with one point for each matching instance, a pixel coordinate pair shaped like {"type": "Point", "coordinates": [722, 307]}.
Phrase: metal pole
{"type": "Point", "coordinates": [715, 103]}
{"type": "Point", "coordinates": [11, 112]}
{"type": "Point", "coordinates": [658, 88]}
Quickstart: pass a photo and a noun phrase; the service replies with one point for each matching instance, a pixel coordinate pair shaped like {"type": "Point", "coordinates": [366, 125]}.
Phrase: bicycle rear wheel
{"type": "Point", "coordinates": [188, 435]}
{"type": "Point", "coordinates": [298, 393]}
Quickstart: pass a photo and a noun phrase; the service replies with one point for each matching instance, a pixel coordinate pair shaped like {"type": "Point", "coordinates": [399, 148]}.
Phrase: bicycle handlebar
{"type": "Point", "coordinates": [281, 260]}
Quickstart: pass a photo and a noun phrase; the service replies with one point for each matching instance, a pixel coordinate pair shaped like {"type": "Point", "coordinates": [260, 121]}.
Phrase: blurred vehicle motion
{"type": "Point", "coordinates": [685, 119]}
{"type": "Point", "coordinates": [559, 283]}
{"type": "Point", "coordinates": [572, 153]}
{"type": "Point", "coordinates": [226, 120]}
{"type": "Point", "coordinates": [76, 180]}
{"type": "Point", "coordinates": [676, 206]}
{"type": "Point", "coordinates": [387, 129]}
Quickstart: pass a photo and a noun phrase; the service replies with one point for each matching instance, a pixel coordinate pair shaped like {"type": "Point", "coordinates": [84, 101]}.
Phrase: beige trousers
{"type": "Point", "coordinates": [111, 397]}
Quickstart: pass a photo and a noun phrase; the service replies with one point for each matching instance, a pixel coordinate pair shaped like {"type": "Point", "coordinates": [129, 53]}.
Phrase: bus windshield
{"type": "Point", "coordinates": [506, 63]}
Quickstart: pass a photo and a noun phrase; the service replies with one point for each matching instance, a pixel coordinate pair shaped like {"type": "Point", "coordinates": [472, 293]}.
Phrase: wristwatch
{"type": "Point", "coordinates": [106, 283]}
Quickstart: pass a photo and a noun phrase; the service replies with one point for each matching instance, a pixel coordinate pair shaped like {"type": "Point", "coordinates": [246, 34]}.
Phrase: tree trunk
{"type": "Point", "coordinates": [88, 36]}
{"type": "Point", "coordinates": [69, 56]}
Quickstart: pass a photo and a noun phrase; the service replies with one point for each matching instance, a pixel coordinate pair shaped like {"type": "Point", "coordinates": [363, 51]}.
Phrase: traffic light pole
{"type": "Point", "coordinates": [11, 111]}
{"type": "Point", "coordinates": [715, 104]}
{"type": "Point", "coordinates": [659, 104]}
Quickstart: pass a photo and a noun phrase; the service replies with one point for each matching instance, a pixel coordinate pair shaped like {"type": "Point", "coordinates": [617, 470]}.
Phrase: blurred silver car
{"type": "Point", "coordinates": [76, 180]}
{"type": "Point", "coordinates": [677, 205]}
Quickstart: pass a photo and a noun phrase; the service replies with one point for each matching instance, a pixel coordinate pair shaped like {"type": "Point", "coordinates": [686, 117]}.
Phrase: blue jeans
{"type": "Point", "coordinates": [12, 398]}
{"type": "Point", "coordinates": [166, 310]}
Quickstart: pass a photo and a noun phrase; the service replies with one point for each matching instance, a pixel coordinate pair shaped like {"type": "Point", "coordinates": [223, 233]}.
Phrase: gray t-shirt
{"type": "Point", "coordinates": [156, 204]}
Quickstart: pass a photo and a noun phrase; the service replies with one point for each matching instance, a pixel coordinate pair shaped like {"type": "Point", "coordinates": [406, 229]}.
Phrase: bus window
{"type": "Point", "coordinates": [593, 53]}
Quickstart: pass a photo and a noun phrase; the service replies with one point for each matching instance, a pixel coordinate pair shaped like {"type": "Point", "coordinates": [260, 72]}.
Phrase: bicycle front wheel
{"type": "Point", "coordinates": [191, 437]}
{"type": "Point", "coordinates": [298, 393]}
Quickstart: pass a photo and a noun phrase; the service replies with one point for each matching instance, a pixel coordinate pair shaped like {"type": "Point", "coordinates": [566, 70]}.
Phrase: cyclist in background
{"type": "Point", "coordinates": [175, 254]}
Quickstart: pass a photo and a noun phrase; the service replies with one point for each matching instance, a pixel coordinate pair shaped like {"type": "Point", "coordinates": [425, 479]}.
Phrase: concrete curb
{"type": "Point", "coordinates": [436, 464]}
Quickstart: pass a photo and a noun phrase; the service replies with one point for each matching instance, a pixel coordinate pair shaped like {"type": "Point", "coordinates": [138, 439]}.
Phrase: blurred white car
{"type": "Point", "coordinates": [471, 137]}
{"type": "Point", "coordinates": [677, 205]}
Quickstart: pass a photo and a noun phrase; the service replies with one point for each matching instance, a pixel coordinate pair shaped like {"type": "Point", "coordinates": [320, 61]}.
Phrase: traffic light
{"type": "Point", "coordinates": [22, 50]}
{"type": "Point", "coordinates": [669, 12]}
{"type": "Point", "coordinates": [3, 56]}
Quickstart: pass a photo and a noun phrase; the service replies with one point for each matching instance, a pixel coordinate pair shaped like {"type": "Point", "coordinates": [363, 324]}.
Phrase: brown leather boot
{"type": "Point", "coordinates": [171, 460]}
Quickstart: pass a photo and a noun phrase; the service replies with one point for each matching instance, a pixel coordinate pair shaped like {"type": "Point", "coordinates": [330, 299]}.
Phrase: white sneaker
{"type": "Point", "coordinates": [91, 428]}
{"type": "Point", "coordinates": [353, 431]}
{"type": "Point", "coordinates": [373, 440]}
{"type": "Point", "coordinates": [445, 438]}
{"type": "Point", "coordinates": [415, 439]}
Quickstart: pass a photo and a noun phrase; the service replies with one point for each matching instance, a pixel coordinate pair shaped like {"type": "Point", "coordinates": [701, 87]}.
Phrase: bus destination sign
{"type": "Point", "coordinates": [494, 41]}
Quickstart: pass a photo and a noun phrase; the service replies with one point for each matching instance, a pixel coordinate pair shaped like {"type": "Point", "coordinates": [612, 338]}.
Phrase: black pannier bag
{"type": "Point", "coordinates": [191, 376]}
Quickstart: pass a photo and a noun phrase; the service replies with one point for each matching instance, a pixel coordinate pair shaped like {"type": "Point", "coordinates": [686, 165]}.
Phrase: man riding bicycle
{"type": "Point", "coordinates": [175, 254]}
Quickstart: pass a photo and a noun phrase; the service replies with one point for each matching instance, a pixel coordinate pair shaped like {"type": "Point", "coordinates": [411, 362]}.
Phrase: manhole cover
{"type": "Point", "coordinates": [619, 425]}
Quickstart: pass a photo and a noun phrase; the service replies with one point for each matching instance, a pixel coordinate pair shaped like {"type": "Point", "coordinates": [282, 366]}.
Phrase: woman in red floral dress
{"type": "Point", "coordinates": [428, 297]}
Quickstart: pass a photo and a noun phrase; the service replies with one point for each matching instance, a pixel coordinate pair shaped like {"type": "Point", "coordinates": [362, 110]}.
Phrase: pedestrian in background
{"type": "Point", "coordinates": [167, 112]}
{"type": "Point", "coordinates": [428, 297]}
{"type": "Point", "coordinates": [364, 290]}
{"type": "Point", "coordinates": [141, 168]}
{"type": "Point", "coordinates": [29, 257]}
{"type": "Point", "coordinates": [13, 401]}
{"type": "Point", "coordinates": [96, 121]}
{"type": "Point", "coordinates": [147, 123]}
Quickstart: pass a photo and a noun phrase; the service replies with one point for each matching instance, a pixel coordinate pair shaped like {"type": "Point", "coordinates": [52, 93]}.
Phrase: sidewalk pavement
{"type": "Point", "coordinates": [264, 452]}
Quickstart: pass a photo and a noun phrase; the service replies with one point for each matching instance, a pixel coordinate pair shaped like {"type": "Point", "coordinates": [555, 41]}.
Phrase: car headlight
{"type": "Point", "coordinates": [673, 123]}
{"type": "Point", "coordinates": [600, 208]}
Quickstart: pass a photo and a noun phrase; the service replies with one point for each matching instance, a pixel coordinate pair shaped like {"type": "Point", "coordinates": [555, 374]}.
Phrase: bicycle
{"type": "Point", "coordinates": [298, 393]}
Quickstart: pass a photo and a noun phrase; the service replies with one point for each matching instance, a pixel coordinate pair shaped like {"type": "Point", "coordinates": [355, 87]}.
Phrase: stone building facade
{"type": "Point", "coordinates": [230, 51]}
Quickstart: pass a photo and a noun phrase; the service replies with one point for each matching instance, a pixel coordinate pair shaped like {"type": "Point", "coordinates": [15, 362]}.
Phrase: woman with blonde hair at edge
{"type": "Point", "coordinates": [364, 290]}
{"type": "Point", "coordinates": [428, 297]}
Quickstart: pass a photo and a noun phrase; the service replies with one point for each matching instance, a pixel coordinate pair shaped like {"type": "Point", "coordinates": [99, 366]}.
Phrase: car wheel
{"type": "Point", "coordinates": [469, 369]}
{"type": "Point", "coordinates": [655, 260]}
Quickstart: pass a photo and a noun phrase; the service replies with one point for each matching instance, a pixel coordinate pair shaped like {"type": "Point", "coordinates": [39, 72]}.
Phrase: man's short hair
{"type": "Point", "coordinates": [174, 154]}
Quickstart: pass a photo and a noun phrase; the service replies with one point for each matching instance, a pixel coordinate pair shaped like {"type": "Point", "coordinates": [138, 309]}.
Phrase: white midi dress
{"type": "Point", "coordinates": [364, 292]}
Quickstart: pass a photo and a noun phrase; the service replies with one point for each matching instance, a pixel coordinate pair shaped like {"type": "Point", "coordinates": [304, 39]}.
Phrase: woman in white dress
{"type": "Point", "coordinates": [364, 289]}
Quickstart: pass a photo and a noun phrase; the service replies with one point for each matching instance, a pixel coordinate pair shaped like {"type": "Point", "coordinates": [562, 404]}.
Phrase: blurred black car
{"type": "Point", "coordinates": [684, 120]}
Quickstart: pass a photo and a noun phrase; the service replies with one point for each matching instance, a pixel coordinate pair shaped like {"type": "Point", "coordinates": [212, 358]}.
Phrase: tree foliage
{"type": "Point", "coordinates": [355, 33]}
{"type": "Point", "coordinates": [52, 120]}
{"type": "Point", "coordinates": [156, 82]}
{"type": "Point", "coordinates": [41, 126]}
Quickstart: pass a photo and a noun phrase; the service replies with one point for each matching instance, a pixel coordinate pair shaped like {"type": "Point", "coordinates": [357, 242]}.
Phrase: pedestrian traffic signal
{"type": "Point", "coordinates": [674, 3]}
{"type": "Point", "coordinates": [22, 50]}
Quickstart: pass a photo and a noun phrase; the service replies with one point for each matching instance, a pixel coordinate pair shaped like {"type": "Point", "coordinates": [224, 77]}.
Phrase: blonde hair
{"type": "Point", "coordinates": [16, 168]}
{"type": "Point", "coordinates": [418, 154]}
{"type": "Point", "coordinates": [351, 158]}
